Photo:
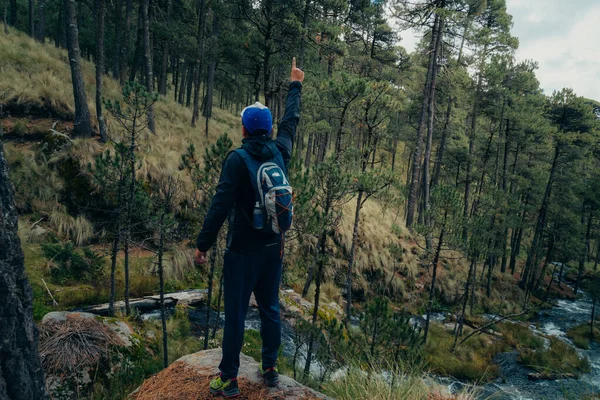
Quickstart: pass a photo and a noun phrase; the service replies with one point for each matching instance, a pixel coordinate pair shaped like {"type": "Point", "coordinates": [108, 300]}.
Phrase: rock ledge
{"type": "Point", "coordinates": [189, 377]}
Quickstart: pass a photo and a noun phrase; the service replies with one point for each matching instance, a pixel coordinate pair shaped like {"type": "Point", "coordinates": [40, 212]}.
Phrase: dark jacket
{"type": "Point", "coordinates": [235, 194]}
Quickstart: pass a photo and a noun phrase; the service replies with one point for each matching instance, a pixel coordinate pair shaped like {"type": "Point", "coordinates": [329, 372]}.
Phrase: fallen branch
{"type": "Point", "coordinates": [54, 302]}
{"type": "Point", "coordinates": [492, 323]}
{"type": "Point", "coordinates": [37, 222]}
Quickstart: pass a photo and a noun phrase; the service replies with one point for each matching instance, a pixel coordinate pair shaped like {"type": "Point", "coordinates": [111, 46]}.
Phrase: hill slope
{"type": "Point", "coordinates": [35, 91]}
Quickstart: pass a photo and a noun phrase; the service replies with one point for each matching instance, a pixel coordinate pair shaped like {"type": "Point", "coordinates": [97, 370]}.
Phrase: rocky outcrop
{"type": "Point", "coordinates": [189, 377]}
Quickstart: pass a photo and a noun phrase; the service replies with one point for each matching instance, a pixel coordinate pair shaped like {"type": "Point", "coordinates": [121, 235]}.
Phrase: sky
{"type": "Point", "coordinates": [563, 36]}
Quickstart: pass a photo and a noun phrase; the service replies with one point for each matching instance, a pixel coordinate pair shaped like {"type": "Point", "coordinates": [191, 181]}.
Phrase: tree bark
{"type": "Point", "coordinates": [267, 43]}
{"type": "Point", "coordinates": [5, 17]}
{"type": "Point", "coordinates": [164, 65]}
{"type": "Point", "coordinates": [436, 261]}
{"type": "Point", "coordinates": [439, 160]}
{"type": "Point", "coordinates": [199, 61]}
{"type": "Point", "coordinates": [302, 51]}
{"type": "Point", "coordinates": [148, 62]}
{"type": "Point", "coordinates": [21, 373]}
{"type": "Point", "coordinates": [183, 78]}
{"type": "Point", "coordinates": [124, 56]}
{"type": "Point", "coordinates": [210, 83]}
{"type": "Point", "coordinates": [41, 28]}
{"type": "Point", "coordinates": [461, 319]}
{"type": "Point", "coordinates": [359, 204]}
{"type": "Point", "coordinates": [161, 276]}
{"type": "Point", "coordinates": [318, 279]}
{"type": "Point", "coordinates": [32, 18]}
{"type": "Point", "coordinates": [211, 276]}
{"type": "Point", "coordinates": [190, 83]}
{"type": "Point", "coordinates": [430, 124]}
{"type": "Point", "coordinates": [100, 12]}
{"type": "Point", "coordinates": [13, 12]}
{"type": "Point", "coordinates": [541, 223]}
{"type": "Point", "coordinates": [417, 155]}
{"type": "Point", "coordinates": [82, 126]}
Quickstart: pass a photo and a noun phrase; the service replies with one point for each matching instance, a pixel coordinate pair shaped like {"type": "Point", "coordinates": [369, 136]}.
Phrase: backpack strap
{"type": "Point", "coordinates": [248, 161]}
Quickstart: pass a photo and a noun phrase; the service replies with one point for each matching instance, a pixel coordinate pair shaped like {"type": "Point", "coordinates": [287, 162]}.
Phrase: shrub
{"type": "Point", "coordinates": [68, 265]}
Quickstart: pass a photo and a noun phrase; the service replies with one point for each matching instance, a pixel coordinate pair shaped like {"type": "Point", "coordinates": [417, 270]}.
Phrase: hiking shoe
{"type": "Point", "coordinates": [270, 376]}
{"type": "Point", "coordinates": [227, 389]}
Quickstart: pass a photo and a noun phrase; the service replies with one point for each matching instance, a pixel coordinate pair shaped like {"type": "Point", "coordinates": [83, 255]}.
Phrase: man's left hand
{"type": "Point", "coordinates": [200, 257]}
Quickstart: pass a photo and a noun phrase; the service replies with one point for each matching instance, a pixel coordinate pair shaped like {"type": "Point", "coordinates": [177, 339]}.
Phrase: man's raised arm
{"type": "Point", "coordinates": [286, 132]}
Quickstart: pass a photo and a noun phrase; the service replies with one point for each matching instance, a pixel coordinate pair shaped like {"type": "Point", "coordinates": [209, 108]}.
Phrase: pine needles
{"type": "Point", "coordinates": [78, 342]}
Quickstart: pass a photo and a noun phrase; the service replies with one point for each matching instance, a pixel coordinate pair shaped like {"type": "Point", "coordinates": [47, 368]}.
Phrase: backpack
{"type": "Point", "coordinates": [274, 208]}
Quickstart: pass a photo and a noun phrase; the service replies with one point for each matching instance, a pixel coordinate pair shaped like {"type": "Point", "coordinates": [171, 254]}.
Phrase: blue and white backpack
{"type": "Point", "coordinates": [274, 207]}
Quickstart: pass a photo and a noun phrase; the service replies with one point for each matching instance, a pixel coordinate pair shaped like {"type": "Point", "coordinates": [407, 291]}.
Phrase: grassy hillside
{"type": "Point", "coordinates": [35, 91]}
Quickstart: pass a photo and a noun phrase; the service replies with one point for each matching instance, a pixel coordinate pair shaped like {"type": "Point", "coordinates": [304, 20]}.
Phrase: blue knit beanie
{"type": "Point", "coordinates": [257, 119]}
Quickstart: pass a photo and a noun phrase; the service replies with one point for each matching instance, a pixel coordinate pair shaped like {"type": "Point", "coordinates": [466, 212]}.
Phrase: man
{"type": "Point", "coordinates": [253, 259]}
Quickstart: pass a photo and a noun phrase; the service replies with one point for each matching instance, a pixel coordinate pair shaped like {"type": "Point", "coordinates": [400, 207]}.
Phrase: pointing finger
{"type": "Point", "coordinates": [294, 63]}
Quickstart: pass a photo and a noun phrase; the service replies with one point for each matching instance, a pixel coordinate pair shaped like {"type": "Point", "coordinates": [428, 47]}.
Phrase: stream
{"type": "Point", "coordinates": [513, 382]}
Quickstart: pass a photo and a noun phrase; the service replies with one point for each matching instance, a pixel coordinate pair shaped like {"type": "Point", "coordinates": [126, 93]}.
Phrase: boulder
{"type": "Point", "coordinates": [75, 347]}
{"type": "Point", "coordinates": [123, 331]}
{"type": "Point", "coordinates": [189, 378]}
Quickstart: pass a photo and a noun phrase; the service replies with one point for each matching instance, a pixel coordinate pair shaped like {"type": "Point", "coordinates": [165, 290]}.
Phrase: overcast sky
{"type": "Point", "coordinates": [562, 36]}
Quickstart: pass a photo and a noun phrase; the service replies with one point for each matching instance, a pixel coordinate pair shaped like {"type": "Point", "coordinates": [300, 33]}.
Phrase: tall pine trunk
{"type": "Point", "coordinates": [436, 261]}
{"type": "Point", "coordinates": [540, 224]}
{"type": "Point", "coordinates": [318, 279]}
{"type": "Point", "coordinates": [417, 155]}
{"type": "Point", "coordinates": [359, 203]}
{"type": "Point", "coordinates": [13, 12]}
{"type": "Point", "coordinates": [148, 62]}
{"type": "Point", "coordinates": [32, 18]}
{"type": "Point", "coordinates": [5, 17]}
{"type": "Point", "coordinates": [41, 27]}
{"type": "Point", "coordinates": [21, 373]}
{"type": "Point", "coordinates": [161, 276]}
{"type": "Point", "coordinates": [210, 84]}
{"type": "Point", "coordinates": [430, 124]}
{"type": "Point", "coordinates": [164, 65]}
{"type": "Point", "coordinates": [82, 126]}
{"type": "Point", "coordinates": [211, 276]}
{"type": "Point", "coordinates": [124, 51]}
{"type": "Point", "coordinates": [199, 60]}
{"type": "Point", "coordinates": [100, 12]}
{"type": "Point", "coordinates": [302, 51]}
{"type": "Point", "coordinates": [183, 78]}
{"type": "Point", "coordinates": [439, 159]}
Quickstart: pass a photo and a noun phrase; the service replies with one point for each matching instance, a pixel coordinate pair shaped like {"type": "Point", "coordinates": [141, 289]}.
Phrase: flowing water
{"type": "Point", "coordinates": [513, 383]}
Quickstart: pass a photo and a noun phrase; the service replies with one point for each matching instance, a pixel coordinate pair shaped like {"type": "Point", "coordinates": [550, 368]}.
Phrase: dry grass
{"type": "Point", "coordinates": [79, 229]}
{"type": "Point", "coordinates": [361, 385]}
{"type": "Point", "coordinates": [36, 76]}
{"type": "Point", "coordinates": [70, 346]}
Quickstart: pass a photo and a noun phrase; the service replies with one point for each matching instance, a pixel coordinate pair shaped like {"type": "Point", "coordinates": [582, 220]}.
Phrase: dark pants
{"type": "Point", "coordinates": [245, 273]}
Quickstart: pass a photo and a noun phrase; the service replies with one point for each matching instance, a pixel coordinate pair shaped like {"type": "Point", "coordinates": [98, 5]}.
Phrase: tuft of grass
{"type": "Point", "coordinates": [517, 335]}
{"type": "Point", "coordinates": [558, 358]}
{"type": "Point", "coordinates": [471, 361]}
{"type": "Point", "coordinates": [358, 384]}
{"type": "Point", "coordinates": [582, 336]}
